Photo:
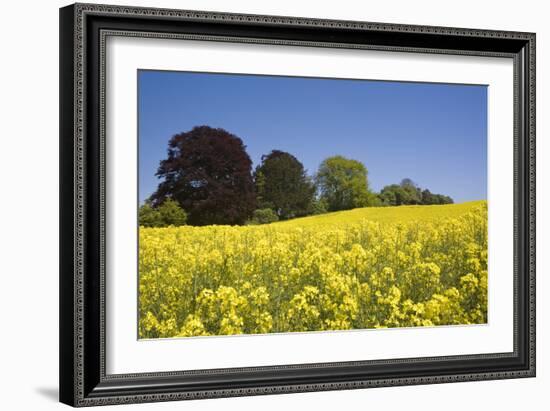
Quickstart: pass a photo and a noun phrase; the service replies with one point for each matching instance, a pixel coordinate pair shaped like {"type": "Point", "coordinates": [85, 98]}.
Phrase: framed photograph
{"type": "Point", "coordinates": [261, 204]}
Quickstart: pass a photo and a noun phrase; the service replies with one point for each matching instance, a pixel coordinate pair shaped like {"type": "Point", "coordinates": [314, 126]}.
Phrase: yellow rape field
{"type": "Point", "coordinates": [365, 268]}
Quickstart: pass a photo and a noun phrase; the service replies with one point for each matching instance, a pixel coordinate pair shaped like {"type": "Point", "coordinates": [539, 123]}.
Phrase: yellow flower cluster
{"type": "Point", "coordinates": [351, 273]}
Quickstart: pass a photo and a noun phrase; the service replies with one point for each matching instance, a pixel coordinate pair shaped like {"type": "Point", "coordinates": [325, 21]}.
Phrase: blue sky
{"type": "Point", "coordinates": [435, 134]}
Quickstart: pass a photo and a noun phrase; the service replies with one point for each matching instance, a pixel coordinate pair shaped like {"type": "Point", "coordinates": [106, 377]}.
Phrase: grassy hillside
{"type": "Point", "coordinates": [402, 214]}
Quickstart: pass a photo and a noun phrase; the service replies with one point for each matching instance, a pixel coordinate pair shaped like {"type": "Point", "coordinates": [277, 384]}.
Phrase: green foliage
{"type": "Point", "coordinates": [319, 206]}
{"type": "Point", "coordinates": [171, 213]}
{"type": "Point", "coordinates": [429, 198]}
{"type": "Point", "coordinates": [395, 195]}
{"type": "Point", "coordinates": [149, 216]}
{"type": "Point", "coordinates": [411, 192]}
{"type": "Point", "coordinates": [408, 193]}
{"type": "Point", "coordinates": [373, 200]}
{"type": "Point", "coordinates": [342, 183]}
{"type": "Point", "coordinates": [208, 174]}
{"type": "Point", "coordinates": [166, 214]}
{"type": "Point", "coordinates": [264, 216]}
{"type": "Point", "coordinates": [282, 185]}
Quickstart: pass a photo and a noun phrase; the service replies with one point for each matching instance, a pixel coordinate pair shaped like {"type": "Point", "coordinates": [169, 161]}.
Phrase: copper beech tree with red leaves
{"type": "Point", "coordinates": [209, 174]}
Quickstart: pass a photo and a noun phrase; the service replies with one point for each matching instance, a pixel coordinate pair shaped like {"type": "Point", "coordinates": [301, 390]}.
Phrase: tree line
{"type": "Point", "coordinates": [207, 178]}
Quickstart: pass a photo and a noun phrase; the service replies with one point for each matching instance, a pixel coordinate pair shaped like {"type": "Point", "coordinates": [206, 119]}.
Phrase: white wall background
{"type": "Point", "coordinates": [29, 204]}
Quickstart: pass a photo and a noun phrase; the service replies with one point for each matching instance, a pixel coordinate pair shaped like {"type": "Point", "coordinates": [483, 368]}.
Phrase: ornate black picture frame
{"type": "Point", "coordinates": [83, 30]}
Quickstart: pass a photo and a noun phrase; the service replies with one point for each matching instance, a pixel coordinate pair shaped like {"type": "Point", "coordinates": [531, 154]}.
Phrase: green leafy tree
{"type": "Point", "coordinates": [374, 200]}
{"type": "Point", "coordinates": [400, 194]}
{"type": "Point", "coordinates": [149, 216]}
{"type": "Point", "coordinates": [343, 183]}
{"type": "Point", "coordinates": [391, 195]}
{"type": "Point", "coordinates": [319, 206]}
{"type": "Point", "coordinates": [168, 213]}
{"type": "Point", "coordinates": [409, 193]}
{"type": "Point", "coordinates": [283, 185]}
{"type": "Point", "coordinates": [171, 213]}
{"type": "Point", "coordinates": [264, 216]}
{"type": "Point", "coordinates": [428, 197]}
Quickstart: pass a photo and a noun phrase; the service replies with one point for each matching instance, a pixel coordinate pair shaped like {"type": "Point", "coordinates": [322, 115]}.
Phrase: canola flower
{"type": "Point", "coordinates": [365, 268]}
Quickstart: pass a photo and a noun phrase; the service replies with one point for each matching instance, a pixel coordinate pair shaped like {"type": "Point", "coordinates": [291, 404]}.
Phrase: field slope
{"type": "Point", "coordinates": [401, 214]}
{"type": "Point", "coordinates": [365, 268]}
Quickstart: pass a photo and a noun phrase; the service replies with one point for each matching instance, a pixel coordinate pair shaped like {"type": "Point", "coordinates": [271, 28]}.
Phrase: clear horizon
{"type": "Point", "coordinates": [434, 134]}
